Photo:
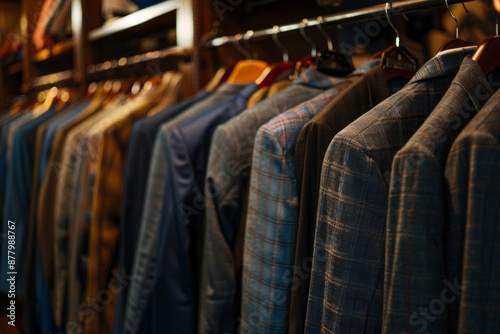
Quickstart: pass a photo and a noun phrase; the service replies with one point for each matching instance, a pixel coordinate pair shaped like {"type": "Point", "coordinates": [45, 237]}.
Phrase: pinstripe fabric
{"type": "Point", "coordinates": [473, 252]}
{"type": "Point", "coordinates": [228, 175]}
{"type": "Point", "coordinates": [415, 249]}
{"type": "Point", "coordinates": [346, 291]}
{"type": "Point", "coordinates": [272, 216]}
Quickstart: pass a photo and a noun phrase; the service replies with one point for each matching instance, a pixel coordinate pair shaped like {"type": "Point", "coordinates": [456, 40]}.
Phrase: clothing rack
{"type": "Point", "coordinates": [48, 80]}
{"type": "Point", "coordinates": [376, 12]}
{"type": "Point", "coordinates": [179, 52]}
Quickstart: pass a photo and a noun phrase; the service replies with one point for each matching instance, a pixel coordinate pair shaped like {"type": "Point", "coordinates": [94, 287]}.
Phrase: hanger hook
{"type": "Point", "coordinates": [237, 46]}
{"type": "Point", "coordinates": [453, 17]}
{"type": "Point", "coordinates": [496, 16]}
{"type": "Point", "coordinates": [323, 32]}
{"type": "Point", "coordinates": [276, 29]}
{"type": "Point", "coordinates": [303, 24]}
{"type": "Point", "coordinates": [246, 37]}
{"type": "Point", "coordinates": [465, 7]}
{"type": "Point", "coordinates": [387, 7]}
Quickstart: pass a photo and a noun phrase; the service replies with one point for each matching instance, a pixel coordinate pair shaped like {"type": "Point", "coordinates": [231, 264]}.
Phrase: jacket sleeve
{"type": "Point", "coordinates": [347, 273]}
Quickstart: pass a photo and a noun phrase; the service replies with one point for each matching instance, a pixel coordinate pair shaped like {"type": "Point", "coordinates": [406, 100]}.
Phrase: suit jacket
{"type": "Point", "coordinates": [361, 96]}
{"type": "Point", "coordinates": [45, 136]}
{"type": "Point", "coordinates": [17, 199]}
{"type": "Point", "coordinates": [74, 113]}
{"type": "Point", "coordinates": [472, 233]}
{"type": "Point", "coordinates": [4, 163]}
{"type": "Point", "coordinates": [139, 297]}
{"type": "Point", "coordinates": [67, 226]}
{"type": "Point", "coordinates": [346, 291]}
{"type": "Point", "coordinates": [227, 179]}
{"type": "Point", "coordinates": [266, 92]}
{"type": "Point", "coordinates": [416, 243]}
{"type": "Point", "coordinates": [110, 137]}
{"type": "Point", "coordinates": [177, 271]}
{"type": "Point", "coordinates": [272, 216]}
{"type": "Point", "coordinates": [33, 320]}
{"type": "Point", "coordinates": [136, 175]}
{"type": "Point", "coordinates": [46, 198]}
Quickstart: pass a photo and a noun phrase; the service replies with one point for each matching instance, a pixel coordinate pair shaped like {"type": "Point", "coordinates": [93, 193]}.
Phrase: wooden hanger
{"type": "Point", "coordinates": [65, 97]}
{"type": "Point", "coordinates": [332, 62]}
{"type": "Point", "coordinates": [92, 89]}
{"type": "Point", "coordinates": [220, 77]}
{"type": "Point", "coordinates": [47, 99]}
{"type": "Point", "coordinates": [248, 70]}
{"type": "Point", "coordinates": [306, 62]}
{"type": "Point", "coordinates": [456, 42]}
{"type": "Point", "coordinates": [488, 53]}
{"type": "Point", "coordinates": [309, 60]}
{"type": "Point", "coordinates": [273, 71]}
{"type": "Point", "coordinates": [170, 93]}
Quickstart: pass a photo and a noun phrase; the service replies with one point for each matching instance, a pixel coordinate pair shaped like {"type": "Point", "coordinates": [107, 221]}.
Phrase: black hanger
{"type": "Point", "coordinates": [396, 61]}
{"type": "Point", "coordinates": [332, 62]}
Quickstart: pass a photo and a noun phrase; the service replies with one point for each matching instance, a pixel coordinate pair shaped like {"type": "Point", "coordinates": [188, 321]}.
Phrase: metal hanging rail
{"type": "Point", "coordinates": [134, 60]}
{"type": "Point", "coordinates": [50, 80]}
{"type": "Point", "coordinates": [69, 75]}
{"type": "Point", "coordinates": [376, 12]}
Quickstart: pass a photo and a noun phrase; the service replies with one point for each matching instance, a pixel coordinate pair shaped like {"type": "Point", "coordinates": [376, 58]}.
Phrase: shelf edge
{"type": "Point", "coordinates": [133, 20]}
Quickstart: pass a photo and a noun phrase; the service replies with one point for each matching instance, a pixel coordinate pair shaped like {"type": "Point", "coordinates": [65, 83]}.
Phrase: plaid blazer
{"type": "Point", "coordinates": [228, 175]}
{"type": "Point", "coordinates": [346, 290]}
{"type": "Point", "coordinates": [472, 176]}
{"type": "Point", "coordinates": [63, 171]}
{"type": "Point", "coordinates": [272, 217]}
{"type": "Point", "coordinates": [361, 96]}
{"type": "Point", "coordinates": [415, 239]}
{"type": "Point", "coordinates": [111, 138]}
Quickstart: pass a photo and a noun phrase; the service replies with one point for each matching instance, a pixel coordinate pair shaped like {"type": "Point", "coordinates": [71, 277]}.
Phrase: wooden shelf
{"type": "Point", "coordinates": [146, 15]}
{"type": "Point", "coordinates": [56, 50]}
